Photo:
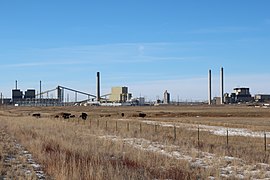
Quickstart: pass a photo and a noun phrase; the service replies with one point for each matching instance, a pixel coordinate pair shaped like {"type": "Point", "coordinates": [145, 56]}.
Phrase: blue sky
{"type": "Point", "coordinates": [150, 46]}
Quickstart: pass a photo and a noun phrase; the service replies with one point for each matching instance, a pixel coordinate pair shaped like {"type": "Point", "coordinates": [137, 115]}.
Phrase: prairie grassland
{"type": "Point", "coordinates": [164, 145]}
{"type": "Point", "coordinates": [70, 151]}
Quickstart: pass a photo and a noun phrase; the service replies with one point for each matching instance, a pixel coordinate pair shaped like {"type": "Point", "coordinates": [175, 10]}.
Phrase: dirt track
{"type": "Point", "coordinates": [16, 162]}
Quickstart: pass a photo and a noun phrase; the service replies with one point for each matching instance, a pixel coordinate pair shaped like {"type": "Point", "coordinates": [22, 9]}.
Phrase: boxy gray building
{"type": "Point", "coordinates": [262, 97]}
{"type": "Point", "coordinates": [17, 95]}
{"type": "Point", "coordinates": [30, 94]}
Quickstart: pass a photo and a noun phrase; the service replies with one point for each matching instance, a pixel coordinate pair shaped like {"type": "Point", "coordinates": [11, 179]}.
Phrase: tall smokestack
{"type": "Point", "coordinates": [59, 94]}
{"type": "Point", "coordinates": [40, 89]}
{"type": "Point", "coordinates": [221, 86]}
{"type": "Point", "coordinates": [16, 84]}
{"type": "Point", "coordinates": [98, 86]}
{"type": "Point", "coordinates": [209, 88]}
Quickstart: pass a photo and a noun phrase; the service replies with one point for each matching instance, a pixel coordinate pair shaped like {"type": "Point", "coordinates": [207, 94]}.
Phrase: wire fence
{"type": "Point", "coordinates": [142, 127]}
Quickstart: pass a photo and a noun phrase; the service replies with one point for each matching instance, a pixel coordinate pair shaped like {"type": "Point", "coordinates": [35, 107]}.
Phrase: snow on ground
{"type": "Point", "coordinates": [227, 167]}
{"type": "Point", "coordinates": [216, 130]}
{"type": "Point", "coordinates": [17, 162]}
{"type": "Point", "coordinates": [30, 161]}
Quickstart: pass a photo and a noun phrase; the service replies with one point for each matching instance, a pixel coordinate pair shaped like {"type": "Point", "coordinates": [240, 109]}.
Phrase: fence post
{"type": "Point", "coordinates": [174, 131]}
{"type": "Point", "coordinates": [198, 136]}
{"type": "Point", "coordinates": [98, 123]}
{"type": "Point", "coordinates": [140, 127]}
{"type": "Point", "coordinates": [116, 125]}
{"type": "Point", "coordinates": [265, 146]}
{"type": "Point", "coordinates": [106, 125]}
{"type": "Point", "coordinates": [155, 128]}
{"type": "Point", "coordinates": [90, 122]}
{"type": "Point", "coordinates": [227, 140]}
{"type": "Point", "coordinates": [128, 126]}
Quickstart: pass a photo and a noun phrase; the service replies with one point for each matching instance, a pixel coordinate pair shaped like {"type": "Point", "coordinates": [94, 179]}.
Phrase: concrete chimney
{"type": "Point", "coordinates": [209, 88]}
{"type": "Point", "coordinates": [221, 86]}
{"type": "Point", "coordinates": [16, 84]}
{"type": "Point", "coordinates": [98, 86]}
{"type": "Point", "coordinates": [59, 94]}
{"type": "Point", "coordinates": [40, 89]}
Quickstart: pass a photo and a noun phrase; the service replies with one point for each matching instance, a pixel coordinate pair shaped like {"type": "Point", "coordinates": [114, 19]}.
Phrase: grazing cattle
{"type": "Point", "coordinates": [66, 115]}
{"type": "Point", "coordinates": [37, 115]}
{"type": "Point", "coordinates": [84, 116]}
{"type": "Point", "coordinates": [142, 115]}
{"type": "Point", "coordinates": [56, 116]}
{"type": "Point", "coordinates": [72, 116]}
{"type": "Point", "coordinates": [122, 114]}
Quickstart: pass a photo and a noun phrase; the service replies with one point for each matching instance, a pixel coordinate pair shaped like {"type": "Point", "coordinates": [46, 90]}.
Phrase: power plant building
{"type": "Point", "coordinates": [262, 97]}
{"type": "Point", "coordinates": [30, 94]}
{"type": "Point", "coordinates": [241, 95]}
{"type": "Point", "coordinates": [120, 94]}
{"type": "Point", "coordinates": [17, 95]}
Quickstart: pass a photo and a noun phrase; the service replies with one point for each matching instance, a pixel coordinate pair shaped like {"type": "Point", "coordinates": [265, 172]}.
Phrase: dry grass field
{"type": "Point", "coordinates": [171, 142]}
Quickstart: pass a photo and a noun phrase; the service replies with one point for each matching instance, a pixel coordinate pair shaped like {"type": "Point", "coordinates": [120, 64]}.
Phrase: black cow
{"type": "Point", "coordinates": [66, 115]}
{"type": "Point", "coordinates": [142, 115]}
{"type": "Point", "coordinates": [84, 116]}
{"type": "Point", "coordinates": [37, 115]}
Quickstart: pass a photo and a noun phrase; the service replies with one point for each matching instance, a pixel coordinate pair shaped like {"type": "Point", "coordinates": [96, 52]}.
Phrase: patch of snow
{"type": "Point", "coordinates": [36, 166]}
{"type": "Point", "coordinates": [204, 160]}
{"type": "Point", "coordinates": [28, 172]}
{"type": "Point", "coordinates": [216, 130]}
{"type": "Point", "coordinates": [29, 158]}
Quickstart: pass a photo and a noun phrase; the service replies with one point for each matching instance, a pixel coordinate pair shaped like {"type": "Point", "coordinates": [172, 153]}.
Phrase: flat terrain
{"type": "Point", "coordinates": [170, 142]}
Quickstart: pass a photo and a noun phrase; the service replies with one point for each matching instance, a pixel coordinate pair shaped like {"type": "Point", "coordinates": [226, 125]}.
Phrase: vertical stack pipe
{"type": "Point", "coordinates": [40, 90]}
{"type": "Point", "coordinates": [98, 86]}
{"type": "Point", "coordinates": [59, 94]}
{"type": "Point", "coordinates": [221, 86]}
{"type": "Point", "coordinates": [16, 84]}
{"type": "Point", "coordinates": [209, 88]}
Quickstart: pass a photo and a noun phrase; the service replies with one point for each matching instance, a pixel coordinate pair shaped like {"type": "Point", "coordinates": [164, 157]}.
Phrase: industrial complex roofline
{"type": "Point", "coordinates": [46, 92]}
{"type": "Point", "coordinates": [80, 92]}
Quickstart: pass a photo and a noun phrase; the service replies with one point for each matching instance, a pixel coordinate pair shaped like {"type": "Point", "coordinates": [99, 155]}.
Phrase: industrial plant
{"type": "Point", "coordinates": [59, 96]}
{"type": "Point", "coordinates": [239, 94]}
{"type": "Point", "coordinates": [120, 96]}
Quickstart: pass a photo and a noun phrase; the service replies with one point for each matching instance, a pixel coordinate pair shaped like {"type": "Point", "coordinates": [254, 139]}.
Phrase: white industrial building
{"type": "Point", "coordinates": [166, 97]}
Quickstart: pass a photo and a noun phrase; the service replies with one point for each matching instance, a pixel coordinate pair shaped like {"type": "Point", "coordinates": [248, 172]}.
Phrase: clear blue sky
{"type": "Point", "coordinates": [148, 45]}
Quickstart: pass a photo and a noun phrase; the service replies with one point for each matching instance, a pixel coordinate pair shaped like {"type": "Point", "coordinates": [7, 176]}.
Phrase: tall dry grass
{"type": "Point", "coordinates": [250, 149]}
{"type": "Point", "coordinates": [72, 150]}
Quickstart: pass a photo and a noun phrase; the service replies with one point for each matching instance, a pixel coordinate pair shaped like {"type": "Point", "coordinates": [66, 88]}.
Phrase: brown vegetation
{"type": "Point", "coordinates": [109, 145]}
